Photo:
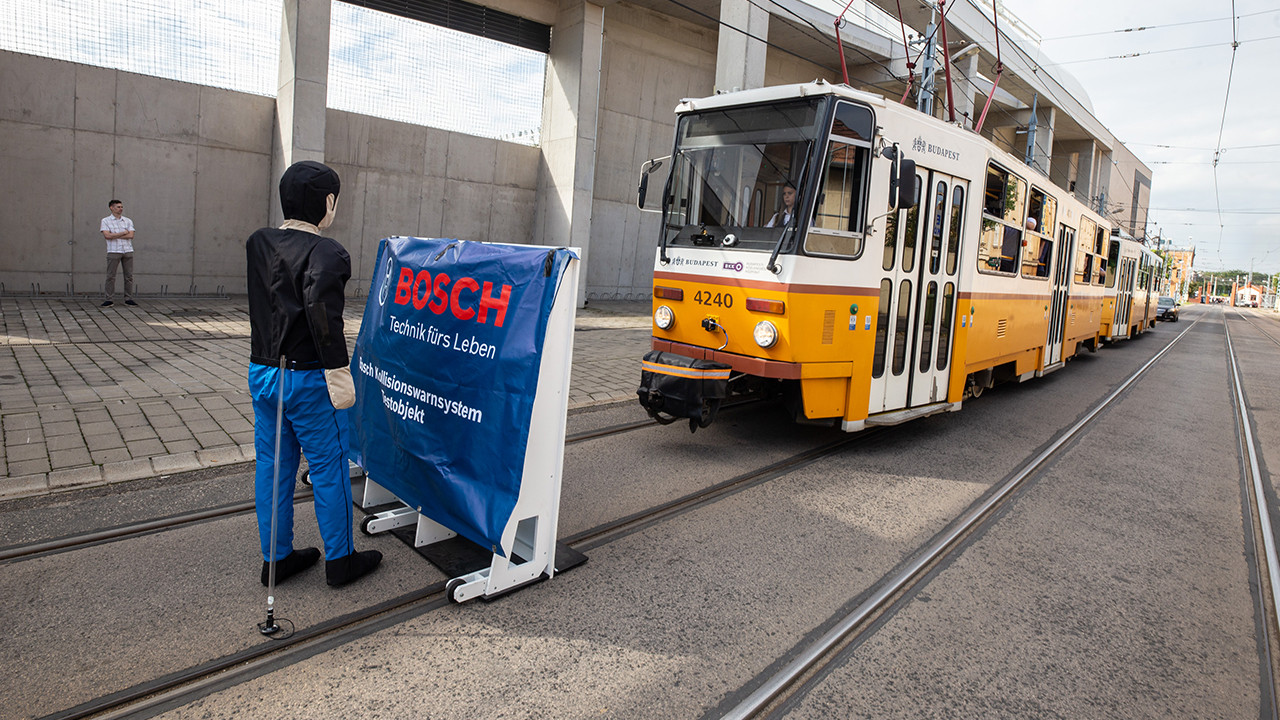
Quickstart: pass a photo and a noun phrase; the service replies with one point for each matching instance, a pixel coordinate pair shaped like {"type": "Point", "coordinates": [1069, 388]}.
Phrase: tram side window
{"type": "Point", "coordinates": [841, 201]}
{"type": "Point", "coordinates": [1004, 200]}
{"type": "Point", "coordinates": [1037, 256]}
{"type": "Point", "coordinates": [1113, 257]}
{"type": "Point", "coordinates": [1084, 252]}
{"type": "Point", "coordinates": [957, 222]}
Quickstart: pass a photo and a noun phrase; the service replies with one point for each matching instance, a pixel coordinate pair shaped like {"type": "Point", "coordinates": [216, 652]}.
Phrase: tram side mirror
{"type": "Point", "coordinates": [902, 177]}
{"type": "Point", "coordinates": [906, 182]}
{"type": "Point", "coordinates": [645, 171]}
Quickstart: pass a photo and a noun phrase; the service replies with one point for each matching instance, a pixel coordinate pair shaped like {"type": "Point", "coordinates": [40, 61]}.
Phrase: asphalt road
{"type": "Point", "coordinates": [1117, 584]}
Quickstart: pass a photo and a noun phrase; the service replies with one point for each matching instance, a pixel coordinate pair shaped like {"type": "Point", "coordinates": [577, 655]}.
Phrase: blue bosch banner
{"type": "Point", "coordinates": [445, 368]}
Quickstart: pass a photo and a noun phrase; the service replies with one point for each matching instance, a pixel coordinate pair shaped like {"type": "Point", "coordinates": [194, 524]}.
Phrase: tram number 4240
{"type": "Point", "coordinates": [720, 299]}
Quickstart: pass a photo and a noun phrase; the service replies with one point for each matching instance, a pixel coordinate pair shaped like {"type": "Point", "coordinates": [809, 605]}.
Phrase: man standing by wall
{"type": "Point", "coordinates": [118, 232]}
{"type": "Point", "coordinates": [298, 367]}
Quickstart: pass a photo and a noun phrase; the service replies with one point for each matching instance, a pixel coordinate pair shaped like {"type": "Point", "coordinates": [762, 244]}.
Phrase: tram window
{"type": "Point", "coordinates": [1006, 195]}
{"type": "Point", "coordinates": [1037, 256]}
{"type": "Point", "coordinates": [993, 198]}
{"type": "Point", "coordinates": [999, 247]}
{"type": "Point", "coordinates": [930, 309]}
{"type": "Point", "coordinates": [1113, 257]}
{"type": "Point", "coordinates": [944, 326]}
{"type": "Point", "coordinates": [841, 202]}
{"type": "Point", "coordinates": [1084, 253]}
{"type": "Point", "coordinates": [853, 121]}
{"type": "Point", "coordinates": [890, 237]}
{"type": "Point", "coordinates": [1041, 208]}
{"type": "Point", "coordinates": [911, 233]}
{"type": "Point", "coordinates": [1101, 264]}
{"type": "Point", "coordinates": [957, 221]}
{"type": "Point", "coordinates": [902, 326]}
{"type": "Point", "coordinates": [882, 328]}
{"type": "Point", "coordinates": [939, 216]}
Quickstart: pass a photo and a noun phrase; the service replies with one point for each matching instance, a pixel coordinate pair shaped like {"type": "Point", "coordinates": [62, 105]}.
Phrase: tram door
{"type": "Point", "coordinates": [1124, 299]}
{"type": "Point", "coordinates": [911, 365]}
{"type": "Point", "coordinates": [1058, 311]}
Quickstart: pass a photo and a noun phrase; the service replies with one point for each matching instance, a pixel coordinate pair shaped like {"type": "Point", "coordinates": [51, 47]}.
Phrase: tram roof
{"type": "Point", "coordinates": [776, 93]}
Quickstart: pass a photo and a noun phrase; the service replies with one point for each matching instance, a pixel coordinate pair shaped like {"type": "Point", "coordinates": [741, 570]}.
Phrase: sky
{"type": "Point", "coordinates": [1167, 106]}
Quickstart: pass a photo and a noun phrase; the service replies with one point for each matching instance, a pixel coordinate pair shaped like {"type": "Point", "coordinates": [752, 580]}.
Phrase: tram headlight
{"type": "Point", "coordinates": [765, 334]}
{"type": "Point", "coordinates": [663, 317]}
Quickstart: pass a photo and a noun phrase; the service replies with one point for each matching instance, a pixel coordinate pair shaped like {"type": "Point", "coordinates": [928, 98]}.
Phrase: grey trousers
{"type": "Point", "coordinates": [126, 261]}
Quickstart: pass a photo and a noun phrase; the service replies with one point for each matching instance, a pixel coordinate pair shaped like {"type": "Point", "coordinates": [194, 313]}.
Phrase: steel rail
{"type": "Point", "coordinates": [914, 571]}
{"type": "Point", "coordinates": [1259, 493]}
{"type": "Point", "coordinates": [171, 689]}
{"type": "Point", "coordinates": [123, 532]}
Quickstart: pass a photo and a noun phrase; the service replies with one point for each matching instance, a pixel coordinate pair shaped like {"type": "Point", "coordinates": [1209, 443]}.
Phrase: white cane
{"type": "Point", "coordinates": [270, 627]}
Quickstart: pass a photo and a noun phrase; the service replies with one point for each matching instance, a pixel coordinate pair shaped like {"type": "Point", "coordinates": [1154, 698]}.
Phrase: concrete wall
{"type": "Point", "coordinates": [192, 165]}
{"type": "Point", "coordinates": [402, 179]}
{"type": "Point", "coordinates": [650, 62]}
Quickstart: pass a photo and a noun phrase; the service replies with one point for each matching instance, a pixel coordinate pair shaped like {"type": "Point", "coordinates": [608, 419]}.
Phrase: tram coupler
{"type": "Point", "coordinates": [673, 387]}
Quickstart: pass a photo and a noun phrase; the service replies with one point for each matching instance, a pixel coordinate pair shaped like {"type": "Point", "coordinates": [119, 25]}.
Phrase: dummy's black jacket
{"type": "Point", "coordinates": [296, 282]}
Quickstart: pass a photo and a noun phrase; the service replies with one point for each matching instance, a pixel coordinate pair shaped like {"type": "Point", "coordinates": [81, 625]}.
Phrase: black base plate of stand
{"type": "Point", "coordinates": [458, 556]}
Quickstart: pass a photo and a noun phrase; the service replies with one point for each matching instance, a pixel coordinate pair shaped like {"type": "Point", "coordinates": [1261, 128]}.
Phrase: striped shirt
{"type": "Point", "coordinates": [111, 225]}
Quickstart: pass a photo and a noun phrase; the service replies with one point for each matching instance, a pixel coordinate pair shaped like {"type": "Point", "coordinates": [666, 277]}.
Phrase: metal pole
{"type": "Point", "coordinates": [1031, 134]}
{"type": "Point", "coordinates": [270, 627]}
{"type": "Point", "coordinates": [924, 103]}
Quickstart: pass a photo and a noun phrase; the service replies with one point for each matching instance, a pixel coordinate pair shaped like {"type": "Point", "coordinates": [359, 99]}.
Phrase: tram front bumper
{"type": "Point", "coordinates": [674, 386]}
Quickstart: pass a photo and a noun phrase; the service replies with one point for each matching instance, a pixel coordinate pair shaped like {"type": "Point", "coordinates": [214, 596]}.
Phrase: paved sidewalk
{"type": "Point", "coordinates": [92, 395]}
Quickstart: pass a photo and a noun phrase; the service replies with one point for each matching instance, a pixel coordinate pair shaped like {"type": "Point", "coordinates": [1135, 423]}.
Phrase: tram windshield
{"type": "Point", "coordinates": [738, 176]}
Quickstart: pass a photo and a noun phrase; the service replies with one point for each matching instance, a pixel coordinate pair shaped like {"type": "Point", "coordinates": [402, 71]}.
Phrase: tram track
{"type": "Point", "coordinates": [769, 696]}
{"type": "Point", "coordinates": [179, 520]}
{"type": "Point", "coordinates": [181, 687]}
{"type": "Point", "coordinates": [1256, 481]}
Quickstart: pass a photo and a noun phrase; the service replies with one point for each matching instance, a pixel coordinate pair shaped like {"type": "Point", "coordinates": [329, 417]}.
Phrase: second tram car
{"type": "Point", "coordinates": [871, 262]}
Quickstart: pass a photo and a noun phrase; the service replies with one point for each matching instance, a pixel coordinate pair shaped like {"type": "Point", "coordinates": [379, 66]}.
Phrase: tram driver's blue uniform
{"type": "Point", "coordinates": [296, 281]}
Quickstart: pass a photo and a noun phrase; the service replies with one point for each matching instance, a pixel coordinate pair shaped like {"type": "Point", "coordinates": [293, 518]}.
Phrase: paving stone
{"type": "Point", "coordinates": [75, 477]}
{"type": "Point", "coordinates": [60, 459]}
{"type": "Point", "coordinates": [65, 442]}
{"type": "Point", "coordinates": [178, 446]}
{"type": "Point", "coordinates": [21, 421]}
{"type": "Point", "coordinates": [133, 434]}
{"type": "Point", "coordinates": [218, 456]}
{"type": "Point", "coordinates": [126, 470]}
{"type": "Point", "coordinates": [29, 467]}
{"type": "Point", "coordinates": [146, 448]}
{"type": "Point", "coordinates": [173, 434]}
{"type": "Point", "coordinates": [175, 463]}
{"type": "Point", "coordinates": [54, 429]}
{"type": "Point", "coordinates": [106, 441]}
{"type": "Point", "coordinates": [25, 451]}
{"type": "Point", "coordinates": [24, 485]}
{"type": "Point", "coordinates": [102, 457]}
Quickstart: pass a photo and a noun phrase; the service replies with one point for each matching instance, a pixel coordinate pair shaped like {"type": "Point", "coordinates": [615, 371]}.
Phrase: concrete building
{"type": "Point", "coordinates": [197, 166]}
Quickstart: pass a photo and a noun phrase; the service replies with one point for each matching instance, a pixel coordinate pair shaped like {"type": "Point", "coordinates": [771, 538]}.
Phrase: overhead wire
{"type": "Point", "coordinates": [1233, 46]}
{"type": "Point", "coordinates": [1153, 27]}
{"type": "Point", "coordinates": [1217, 154]}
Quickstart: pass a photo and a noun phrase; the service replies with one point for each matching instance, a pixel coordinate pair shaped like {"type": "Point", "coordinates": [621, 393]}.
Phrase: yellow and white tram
{"type": "Point", "coordinates": [873, 262]}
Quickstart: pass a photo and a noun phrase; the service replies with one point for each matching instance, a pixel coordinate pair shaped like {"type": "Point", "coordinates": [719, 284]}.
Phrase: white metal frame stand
{"type": "Point", "coordinates": [529, 539]}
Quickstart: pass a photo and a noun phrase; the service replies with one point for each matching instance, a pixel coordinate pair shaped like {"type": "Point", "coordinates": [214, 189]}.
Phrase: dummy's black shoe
{"type": "Point", "coordinates": [107, 303]}
{"type": "Point", "coordinates": [292, 564]}
{"type": "Point", "coordinates": [350, 568]}
{"type": "Point", "coordinates": [130, 302]}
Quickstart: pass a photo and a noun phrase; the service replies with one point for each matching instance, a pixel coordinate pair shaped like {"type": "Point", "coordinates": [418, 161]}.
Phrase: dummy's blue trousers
{"type": "Point", "coordinates": [312, 425]}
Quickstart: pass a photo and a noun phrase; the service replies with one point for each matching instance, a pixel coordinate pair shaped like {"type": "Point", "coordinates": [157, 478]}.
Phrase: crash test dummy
{"type": "Point", "coordinates": [296, 280]}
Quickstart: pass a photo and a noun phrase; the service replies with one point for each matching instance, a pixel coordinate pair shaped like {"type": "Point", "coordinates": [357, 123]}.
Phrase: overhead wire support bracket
{"type": "Point", "coordinates": [995, 19]}
{"type": "Point", "coordinates": [946, 57]}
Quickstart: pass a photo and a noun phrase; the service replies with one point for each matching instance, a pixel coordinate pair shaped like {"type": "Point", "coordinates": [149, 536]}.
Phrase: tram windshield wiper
{"type": "Point", "coordinates": [790, 225]}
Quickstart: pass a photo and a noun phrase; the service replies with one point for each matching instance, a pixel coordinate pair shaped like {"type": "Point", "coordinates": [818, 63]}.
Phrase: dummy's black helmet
{"type": "Point", "coordinates": [303, 190]}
